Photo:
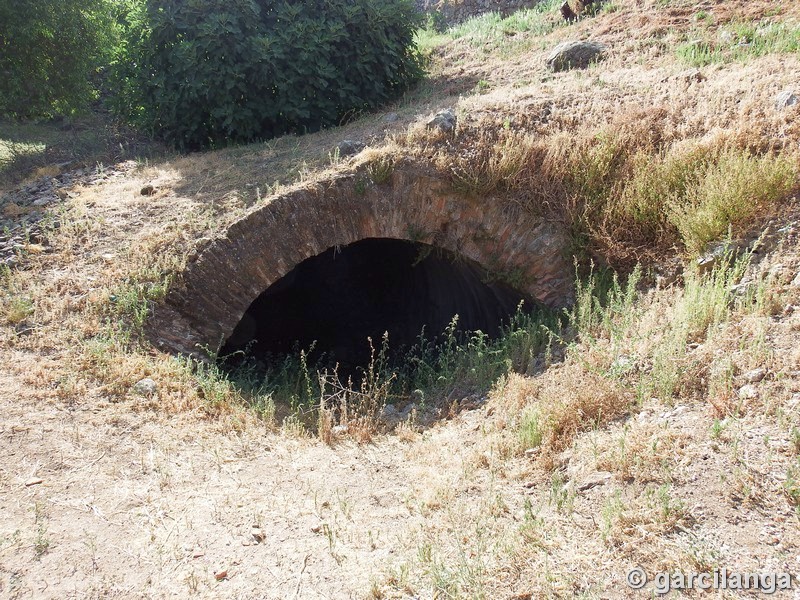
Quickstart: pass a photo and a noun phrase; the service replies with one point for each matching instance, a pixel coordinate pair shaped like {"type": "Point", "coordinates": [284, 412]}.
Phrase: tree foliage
{"type": "Point", "coordinates": [50, 52]}
{"type": "Point", "coordinates": [199, 72]}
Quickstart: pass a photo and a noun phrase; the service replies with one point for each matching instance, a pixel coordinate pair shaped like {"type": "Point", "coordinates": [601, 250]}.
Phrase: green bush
{"type": "Point", "coordinates": [731, 193]}
{"type": "Point", "coordinates": [50, 53]}
{"type": "Point", "coordinates": [200, 72]}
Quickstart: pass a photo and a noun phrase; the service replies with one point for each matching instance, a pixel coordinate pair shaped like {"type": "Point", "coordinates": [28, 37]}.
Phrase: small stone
{"type": "Point", "coordinates": [445, 121]}
{"type": "Point", "coordinates": [692, 76]}
{"type": "Point", "coordinates": [531, 452]}
{"type": "Point", "coordinates": [748, 392]}
{"type": "Point", "coordinates": [145, 387]}
{"type": "Point", "coordinates": [257, 534]}
{"type": "Point", "coordinates": [198, 554]}
{"type": "Point", "coordinates": [34, 481]}
{"type": "Point", "coordinates": [623, 364]}
{"type": "Point", "coordinates": [148, 190]}
{"type": "Point", "coordinates": [339, 430]}
{"type": "Point", "coordinates": [350, 147]}
{"type": "Point", "coordinates": [391, 118]}
{"type": "Point", "coordinates": [390, 415]}
{"type": "Point", "coordinates": [786, 99]}
{"type": "Point", "coordinates": [221, 575]}
{"type": "Point", "coordinates": [726, 36]}
{"type": "Point", "coordinates": [595, 479]}
{"type": "Point", "coordinates": [574, 55]}
{"type": "Point", "coordinates": [742, 289]}
{"type": "Point", "coordinates": [755, 375]}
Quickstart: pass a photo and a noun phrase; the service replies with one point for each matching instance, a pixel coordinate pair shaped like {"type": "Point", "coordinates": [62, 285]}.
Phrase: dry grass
{"type": "Point", "coordinates": [566, 401]}
{"type": "Point", "coordinates": [645, 453]}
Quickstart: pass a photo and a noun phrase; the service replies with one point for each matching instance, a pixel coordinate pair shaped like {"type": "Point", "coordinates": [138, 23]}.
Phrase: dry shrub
{"type": "Point", "coordinates": [640, 215]}
{"type": "Point", "coordinates": [565, 400]}
{"type": "Point", "coordinates": [644, 452]}
{"type": "Point", "coordinates": [406, 431]}
{"type": "Point", "coordinates": [732, 192]}
{"type": "Point", "coordinates": [629, 189]}
{"type": "Point", "coordinates": [490, 162]}
{"type": "Point", "coordinates": [353, 410]}
{"type": "Point", "coordinates": [325, 421]}
{"type": "Point", "coordinates": [632, 527]}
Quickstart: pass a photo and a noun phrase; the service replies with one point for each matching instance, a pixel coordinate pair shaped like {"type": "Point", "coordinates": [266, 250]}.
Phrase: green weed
{"type": "Point", "coordinates": [731, 192]}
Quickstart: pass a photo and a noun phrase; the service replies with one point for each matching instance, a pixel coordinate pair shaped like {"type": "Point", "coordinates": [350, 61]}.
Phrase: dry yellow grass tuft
{"type": "Point", "coordinates": [561, 403]}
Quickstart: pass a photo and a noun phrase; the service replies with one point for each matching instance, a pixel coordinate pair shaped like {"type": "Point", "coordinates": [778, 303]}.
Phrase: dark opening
{"type": "Point", "coordinates": [339, 298]}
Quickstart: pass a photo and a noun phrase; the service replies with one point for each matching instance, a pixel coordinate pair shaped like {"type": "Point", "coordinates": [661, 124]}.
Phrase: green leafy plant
{"type": "Point", "coordinates": [51, 54]}
{"type": "Point", "coordinates": [201, 73]}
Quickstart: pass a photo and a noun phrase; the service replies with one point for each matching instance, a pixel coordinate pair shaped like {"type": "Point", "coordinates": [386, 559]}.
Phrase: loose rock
{"type": "Point", "coordinates": [145, 387]}
{"type": "Point", "coordinates": [350, 147]}
{"type": "Point", "coordinates": [574, 55]}
{"type": "Point", "coordinates": [786, 99]}
{"type": "Point", "coordinates": [445, 121]}
{"type": "Point", "coordinates": [748, 392]}
{"type": "Point", "coordinates": [755, 375]}
{"type": "Point", "coordinates": [595, 479]}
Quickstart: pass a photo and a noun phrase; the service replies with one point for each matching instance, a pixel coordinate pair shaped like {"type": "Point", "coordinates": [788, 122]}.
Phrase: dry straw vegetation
{"type": "Point", "coordinates": [655, 423]}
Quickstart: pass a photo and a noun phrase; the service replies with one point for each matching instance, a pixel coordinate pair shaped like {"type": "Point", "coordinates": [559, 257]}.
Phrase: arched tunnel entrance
{"type": "Point", "coordinates": [243, 268]}
{"type": "Point", "coordinates": [338, 299]}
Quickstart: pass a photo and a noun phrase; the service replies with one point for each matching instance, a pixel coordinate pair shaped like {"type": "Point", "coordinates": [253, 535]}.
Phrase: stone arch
{"type": "Point", "coordinates": [229, 273]}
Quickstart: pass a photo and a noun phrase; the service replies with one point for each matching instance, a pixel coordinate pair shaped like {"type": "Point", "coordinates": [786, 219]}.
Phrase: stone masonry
{"type": "Point", "coordinates": [228, 273]}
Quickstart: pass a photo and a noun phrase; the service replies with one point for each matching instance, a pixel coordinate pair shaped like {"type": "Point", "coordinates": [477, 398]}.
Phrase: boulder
{"type": "Point", "coordinates": [349, 147]}
{"type": "Point", "coordinates": [445, 121]}
{"type": "Point", "coordinates": [574, 55]}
